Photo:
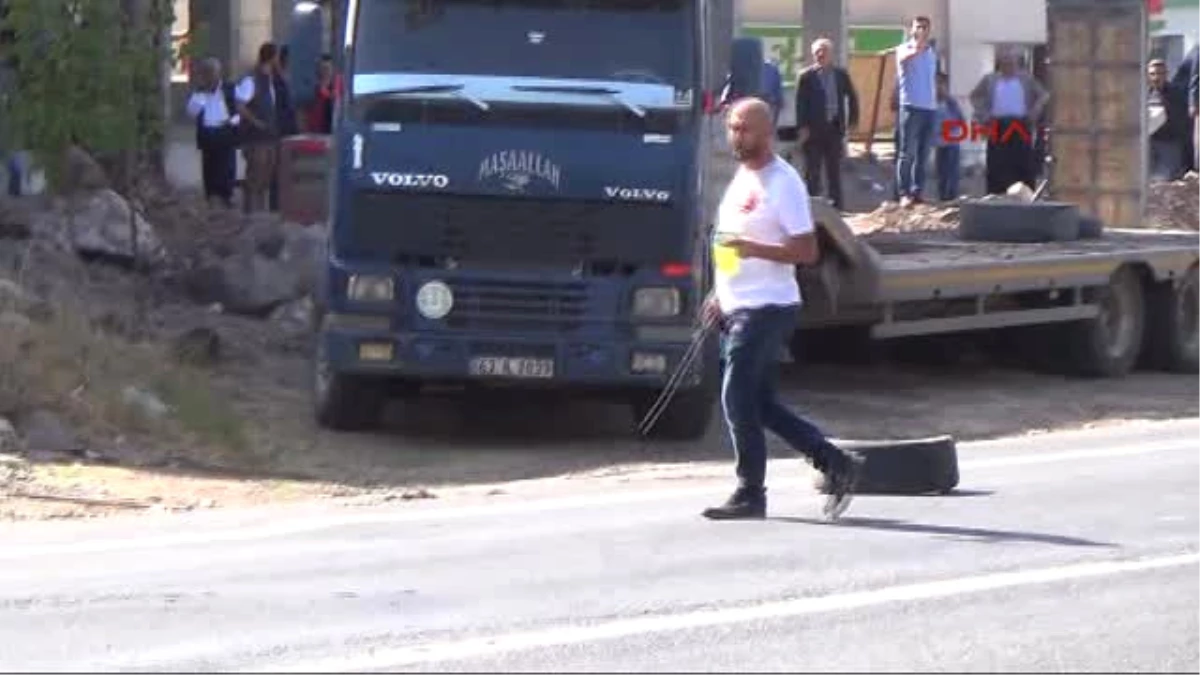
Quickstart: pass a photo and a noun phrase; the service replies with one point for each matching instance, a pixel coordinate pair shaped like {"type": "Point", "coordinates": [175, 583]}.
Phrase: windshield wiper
{"type": "Point", "coordinates": [456, 89]}
{"type": "Point", "coordinates": [588, 91]}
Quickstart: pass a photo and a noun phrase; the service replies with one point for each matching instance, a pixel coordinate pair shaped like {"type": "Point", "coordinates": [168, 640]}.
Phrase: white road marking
{"type": "Point", "coordinates": [414, 515]}
{"type": "Point", "coordinates": [635, 627]}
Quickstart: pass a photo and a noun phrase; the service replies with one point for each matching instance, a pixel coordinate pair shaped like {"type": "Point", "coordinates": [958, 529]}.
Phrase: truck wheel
{"type": "Point", "coordinates": [1008, 222]}
{"type": "Point", "coordinates": [344, 402]}
{"type": "Point", "coordinates": [903, 467]}
{"type": "Point", "coordinates": [689, 413]}
{"type": "Point", "coordinates": [1172, 342]}
{"type": "Point", "coordinates": [1109, 344]}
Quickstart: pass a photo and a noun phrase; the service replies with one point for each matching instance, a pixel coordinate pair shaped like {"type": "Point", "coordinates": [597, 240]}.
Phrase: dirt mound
{"type": "Point", "coordinates": [1175, 205]}
{"type": "Point", "coordinates": [891, 217]}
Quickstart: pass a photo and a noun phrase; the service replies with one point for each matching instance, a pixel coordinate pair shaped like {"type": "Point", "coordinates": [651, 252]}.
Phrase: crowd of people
{"type": "Point", "coordinates": [253, 115]}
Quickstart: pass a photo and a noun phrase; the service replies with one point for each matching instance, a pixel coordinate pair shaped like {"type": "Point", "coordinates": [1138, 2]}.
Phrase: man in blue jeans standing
{"type": "Point", "coordinates": [916, 70]}
{"type": "Point", "coordinates": [764, 229]}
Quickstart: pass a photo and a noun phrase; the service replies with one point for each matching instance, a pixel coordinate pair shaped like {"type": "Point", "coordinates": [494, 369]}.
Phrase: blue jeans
{"type": "Point", "coordinates": [916, 137]}
{"type": "Point", "coordinates": [946, 161]}
{"type": "Point", "coordinates": [750, 399]}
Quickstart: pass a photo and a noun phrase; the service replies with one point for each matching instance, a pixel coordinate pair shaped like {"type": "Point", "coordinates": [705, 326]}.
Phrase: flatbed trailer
{"type": "Point", "coordinates": [1127, 297]}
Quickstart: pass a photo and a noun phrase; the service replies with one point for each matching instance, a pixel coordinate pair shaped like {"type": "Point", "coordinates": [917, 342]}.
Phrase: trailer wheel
{"type": "Point", "coordinates": [689, 413]}
{"type": "Point", "coordinates": [1109, 344]}
{"type": "Point", "coordinates": [344, 402]}
{"type": "Point", "coordinates": [1172, 342]}
{"type": "Point", "coordinates": [904, 467]}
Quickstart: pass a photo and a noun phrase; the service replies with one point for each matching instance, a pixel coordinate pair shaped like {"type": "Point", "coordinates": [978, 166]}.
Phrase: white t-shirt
{"type": "Point", "coordinates": [768, 205]}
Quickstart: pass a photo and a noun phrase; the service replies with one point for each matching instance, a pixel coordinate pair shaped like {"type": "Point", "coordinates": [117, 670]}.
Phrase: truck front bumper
{"type": "Point", "coordinates": [646, 361]}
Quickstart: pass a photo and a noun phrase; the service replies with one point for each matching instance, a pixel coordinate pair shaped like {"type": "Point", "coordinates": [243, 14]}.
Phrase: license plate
{"type": "Point", "coordinates": [503, 366]}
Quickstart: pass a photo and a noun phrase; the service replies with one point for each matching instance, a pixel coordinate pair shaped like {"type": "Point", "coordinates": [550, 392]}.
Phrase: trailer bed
{"type": "Point", "coordinates": [937, 264]}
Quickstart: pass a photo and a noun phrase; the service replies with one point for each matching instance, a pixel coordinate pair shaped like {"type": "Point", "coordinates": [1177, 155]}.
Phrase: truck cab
{"type": "Point", "coordinates": [518, 198]}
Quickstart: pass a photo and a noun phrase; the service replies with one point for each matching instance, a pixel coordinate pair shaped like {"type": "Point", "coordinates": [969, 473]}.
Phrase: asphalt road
{"type": "Point", "coordinates": [1063, 553]}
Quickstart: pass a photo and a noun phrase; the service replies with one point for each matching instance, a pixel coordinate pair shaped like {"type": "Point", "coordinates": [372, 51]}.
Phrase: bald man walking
{"type": "Point", "coordinates": [764, 229]}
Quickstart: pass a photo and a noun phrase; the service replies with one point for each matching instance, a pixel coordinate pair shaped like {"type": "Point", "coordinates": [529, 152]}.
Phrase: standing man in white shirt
{"type": "Point", "coordinates": [213, 107]}
{"type": "Point", "coordinates": [764, 229]}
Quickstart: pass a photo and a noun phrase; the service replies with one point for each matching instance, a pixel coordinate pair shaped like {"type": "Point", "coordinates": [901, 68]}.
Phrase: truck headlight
{"type": "Point", "coordinates": [656, 303]}
{"type": "Point", "coordinates": [369, 288]}
{"type": "Point", "coordinates": [434, 300]}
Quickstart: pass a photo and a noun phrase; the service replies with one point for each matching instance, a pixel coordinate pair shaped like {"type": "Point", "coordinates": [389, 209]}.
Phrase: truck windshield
{"type": "Point", "coordinates": [643, 41]}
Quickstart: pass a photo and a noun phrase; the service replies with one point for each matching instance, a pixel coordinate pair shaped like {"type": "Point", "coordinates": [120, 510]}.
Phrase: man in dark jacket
{"type": "Point", "coordinates": [288, 122]}
{"type": "Point", "coordinates": [826, 109]}
{"type": "Point", "coordinates": [1186, 84]}
{"type": "Point", "coordinates": [1168, 143]}
{"type": "Point", "coordinates": [258, 106]}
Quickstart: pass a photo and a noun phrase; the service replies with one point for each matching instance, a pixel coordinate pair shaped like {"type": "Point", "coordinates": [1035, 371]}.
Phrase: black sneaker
{"type": "Point", "coordinates": [743, 504]}
{"type": "Point", "coordinates": [841, 482]}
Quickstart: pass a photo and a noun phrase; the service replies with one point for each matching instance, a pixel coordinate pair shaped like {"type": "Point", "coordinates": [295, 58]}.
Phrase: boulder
{"type": "Point", "coordinates": [97, 224]}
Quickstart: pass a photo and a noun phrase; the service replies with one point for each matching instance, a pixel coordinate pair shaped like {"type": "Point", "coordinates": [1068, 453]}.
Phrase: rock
{"type": "Point", "coordinates": [198, 346]}
{"type": "Point", "coordinates": [82, 173]}
{"type": "Point", "coordinates": [891, 217]}
{"type": "Point", "coordinates": [266, 236]}
{"type": "Point", "coordinates": [16, 219]}
{"type": "Point", "coordinates": [295, 317]}
{"type": "Point", "coordinates": [13, 296]}
{"type": "Point", "coordinates": [251, 283]}
{"type": "Point", "coordinates": [101, 228]}
{"type": "Point", "coordinates": [1020, 192]}
{"type": "Point", "coordinates": [12, 323]}
{"type": "Point", "coordinates": [145, 402]}
{"type": "Point", "coordinates": [1174, 205]}
{"type": "Point", "coordinates": [45, 432]}
{"type": "Point", "coordinates": [10, 441]}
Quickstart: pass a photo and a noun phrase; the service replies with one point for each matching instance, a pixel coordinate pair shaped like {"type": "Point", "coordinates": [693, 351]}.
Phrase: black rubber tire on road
{"type": "Point", "coordinates": [1108, 345]}
{"type": "Point", "coordinates": [345, 402]}
{"type": "Point", "coordinates": [904, 467]}
{"type": "Point", "coordinates": [1018, 222]}
{"type": "Point", "coordinates": [689, 413]}
{"type": "Point", "coordinates": [1172, 343]}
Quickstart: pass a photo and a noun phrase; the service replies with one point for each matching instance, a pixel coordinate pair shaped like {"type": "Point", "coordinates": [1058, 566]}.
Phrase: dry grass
{"type": "Point", "coordinates": [62, 361]}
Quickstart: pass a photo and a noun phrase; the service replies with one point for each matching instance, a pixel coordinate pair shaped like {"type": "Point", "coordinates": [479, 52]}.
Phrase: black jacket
{"type": "Point", "coordinates": [810, 102]}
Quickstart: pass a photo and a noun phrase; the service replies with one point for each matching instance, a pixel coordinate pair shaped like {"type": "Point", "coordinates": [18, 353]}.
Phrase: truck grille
{"type": "Point", "coordinates": [517, 305]}
{"type": "Point", "coordinates": [511, 232]}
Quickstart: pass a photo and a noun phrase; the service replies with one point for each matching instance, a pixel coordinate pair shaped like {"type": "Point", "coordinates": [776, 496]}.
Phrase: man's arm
{"type": "Point", "coordinates": [795, 217]}
{"type": "Point", "coordinates": [195, 104]}
{"type": "Point", "coordinates": [802, 106]}
{"type": "Point", "coordinates": [978, 97]}
{"type": "Point", "coordinates": [852, 99]}
{"type": "Point", "coordinates": [1041, 96]}
{"type": "Point", "coordinates": [1193, 90]}
{"type": "Point", "coordinates": [244, 94]}
{"type": "Point", "coordinates": [907, 50]}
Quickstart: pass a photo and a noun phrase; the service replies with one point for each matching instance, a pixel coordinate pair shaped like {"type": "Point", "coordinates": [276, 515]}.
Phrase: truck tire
{"type": "Point", "coordinates": [904, 467]}
{"type": "Point", "coordinates": [1172, 342]}
{"type": "Point", "coordinates": [1018, 223]}
{"type": "Point", "coordinates": [345, 402]}
{"type": "Point", "coordinates": [689, 414]}
{"type": "Point", "coordinates": [1109, 345]}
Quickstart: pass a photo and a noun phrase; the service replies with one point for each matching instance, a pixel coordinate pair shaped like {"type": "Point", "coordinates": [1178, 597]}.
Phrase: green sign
{"type": "Point", "coordinates": [784, 43]}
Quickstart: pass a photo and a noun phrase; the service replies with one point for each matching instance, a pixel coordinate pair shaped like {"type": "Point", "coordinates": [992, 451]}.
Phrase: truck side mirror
{"type": "Point", "coordinates": [745, 68]}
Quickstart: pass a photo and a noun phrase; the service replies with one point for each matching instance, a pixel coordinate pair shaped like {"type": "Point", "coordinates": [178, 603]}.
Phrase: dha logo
{"type": "Point", "coordinates": [958, 131]}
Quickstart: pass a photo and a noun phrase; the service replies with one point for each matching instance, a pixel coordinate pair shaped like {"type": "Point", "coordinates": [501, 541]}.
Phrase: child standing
{"type": "Point", "coordinates": [947, 153]}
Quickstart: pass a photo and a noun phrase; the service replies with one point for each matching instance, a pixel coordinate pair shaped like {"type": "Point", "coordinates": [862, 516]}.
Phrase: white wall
{"type": "Point", "coordinates": [1182, 21]}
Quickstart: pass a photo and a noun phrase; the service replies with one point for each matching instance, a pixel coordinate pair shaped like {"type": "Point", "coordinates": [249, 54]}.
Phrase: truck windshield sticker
{"type": "Point", "coordinates": [410, 180]}
{"type": "Point", "coordinates": [515, 170]}
{"type": "Point", "coordinates": [637, 194]}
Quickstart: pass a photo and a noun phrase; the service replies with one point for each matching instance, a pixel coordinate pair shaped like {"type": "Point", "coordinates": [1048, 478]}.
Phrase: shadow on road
{"type": "Point", "coordinates": [974, 534]}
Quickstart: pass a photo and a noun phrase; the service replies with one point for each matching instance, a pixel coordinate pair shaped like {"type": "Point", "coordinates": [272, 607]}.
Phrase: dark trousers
{"type": "Point", "coordinates": [750, 399]}
{"type": "Point", "coordinates": [916, 138]}
{"type": "Point", "coordinates": [947, 161]}
{"type": "Point", "coordinates": [823, 150]}
{"type": "Point", "coordinates": [1167, 158]}
{"type": "Point", "coordinates": [1010, 159]}
{"type": "Point", "coordinates": [218, 168]}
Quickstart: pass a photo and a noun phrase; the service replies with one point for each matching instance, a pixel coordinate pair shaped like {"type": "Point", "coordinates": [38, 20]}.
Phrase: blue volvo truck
{"type": "Point", "coordinates": [519, 198]}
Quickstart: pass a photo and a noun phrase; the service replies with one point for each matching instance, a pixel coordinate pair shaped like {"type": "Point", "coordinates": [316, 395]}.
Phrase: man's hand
{"type": "Point", "coordinates": [745, 248]}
